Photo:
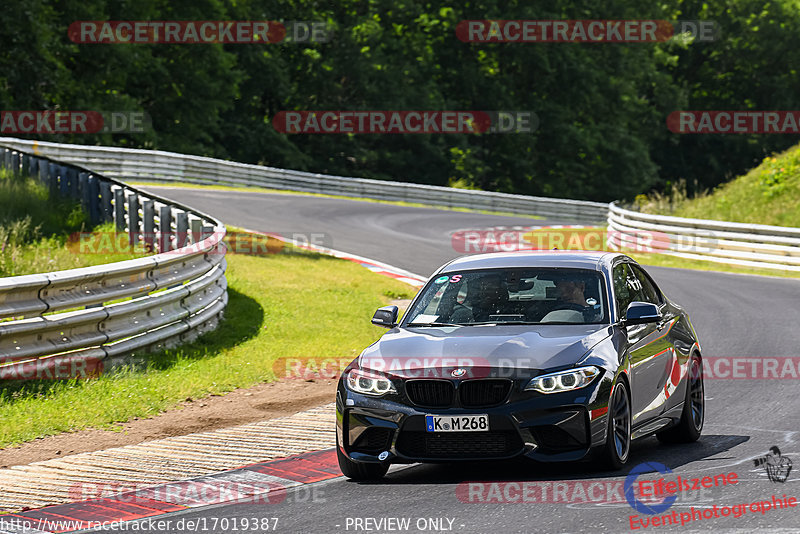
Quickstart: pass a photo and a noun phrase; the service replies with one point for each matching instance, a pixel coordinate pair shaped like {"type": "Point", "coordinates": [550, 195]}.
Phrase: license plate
{"type": "Point", "coordinates": [457, 423]}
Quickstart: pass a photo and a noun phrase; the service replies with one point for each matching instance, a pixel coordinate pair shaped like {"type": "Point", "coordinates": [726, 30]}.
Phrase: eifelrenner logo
{"type": "Point", "coordinates": [404, 122]}
{"type": "Point", "coordinates": [176, 31]}
{"type": "Point", "coordinates": [734, 122]}
{"type": "Point", "coordinates": [73, 122]}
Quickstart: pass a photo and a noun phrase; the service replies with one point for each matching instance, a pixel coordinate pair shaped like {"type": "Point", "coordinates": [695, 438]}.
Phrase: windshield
{"type": "Point", "coordinates": [511, 296]}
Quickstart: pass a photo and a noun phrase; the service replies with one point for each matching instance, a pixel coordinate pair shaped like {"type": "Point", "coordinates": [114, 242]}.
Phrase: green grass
{"type": "Point", "coordinates": [40, 234]}
{"type": "Point", "coordinates": [294, 304]}
{"type": "Point", "coordinates": [768, 194]}
{"type": "Point", "coordinates": [285, 192]}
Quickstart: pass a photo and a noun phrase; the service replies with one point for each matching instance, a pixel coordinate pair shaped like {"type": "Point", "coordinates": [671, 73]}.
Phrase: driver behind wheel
{"type": "Point", "coordinates": [571, 291]}
{"type": "Point", "coordinates": [572, 303]}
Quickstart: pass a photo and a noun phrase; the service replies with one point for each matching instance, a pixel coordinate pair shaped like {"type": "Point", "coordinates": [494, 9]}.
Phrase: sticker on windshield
{"type": "Point", "coordinates": [441, 280]}
{"type": "Point", "coordinates": [455, 278]}
{"type": "Point", "coordinates": [590, 301]}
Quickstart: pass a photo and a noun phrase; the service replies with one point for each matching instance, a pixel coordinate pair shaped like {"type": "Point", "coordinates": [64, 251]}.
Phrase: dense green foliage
{"type": "Point", "coordinates": [602, 107]}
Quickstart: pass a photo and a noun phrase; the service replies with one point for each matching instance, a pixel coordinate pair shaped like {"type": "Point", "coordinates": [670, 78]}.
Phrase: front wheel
{"type": "Point", "coordinates": [360, 472]}
{"type": "Point", "coordinates": [618, 435]}
{"type": "Point", "coordinates": [690, 426]}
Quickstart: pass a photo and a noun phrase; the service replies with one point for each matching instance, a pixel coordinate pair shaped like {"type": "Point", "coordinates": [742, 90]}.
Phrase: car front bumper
{"type": "Point", "coordinates": [554, 427]}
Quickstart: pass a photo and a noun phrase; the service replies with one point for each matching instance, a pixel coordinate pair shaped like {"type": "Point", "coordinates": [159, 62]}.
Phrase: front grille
{"type": "Point", "coordinates": [433, 393]}
{"type": "Point", "coordinates": [374, 439]}
{"type": "Point", "coordinates": [495, 444]}
{"type": "Point", "coordinates": [476, 393]}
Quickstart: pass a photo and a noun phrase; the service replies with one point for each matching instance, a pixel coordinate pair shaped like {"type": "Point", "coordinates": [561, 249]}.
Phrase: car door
{"type": "Point", "coordinates": [670, 370]}
{"type": "Point", "coordinates": [649, 349]}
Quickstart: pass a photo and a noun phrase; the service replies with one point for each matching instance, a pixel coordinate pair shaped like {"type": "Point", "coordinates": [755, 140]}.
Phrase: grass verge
{"type": "Point", "coordinates": [39, 234]}
{"type": "Point", "coordinates": [293, 304]}
{"type": "Point", "coordinates": [767, 194]}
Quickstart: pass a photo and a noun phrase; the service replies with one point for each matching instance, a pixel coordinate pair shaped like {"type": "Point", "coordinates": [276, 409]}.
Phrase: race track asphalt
{"type": "Point", "coordinates": [735, 315]}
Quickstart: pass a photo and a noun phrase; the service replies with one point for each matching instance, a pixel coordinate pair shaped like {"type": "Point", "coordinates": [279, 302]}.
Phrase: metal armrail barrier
{"type": "Point", "coordinates": [169, 167]}
{"type": "Point", "coordinates": [750, 245]}
{"type": "Point", "coordinates": [103, 314]}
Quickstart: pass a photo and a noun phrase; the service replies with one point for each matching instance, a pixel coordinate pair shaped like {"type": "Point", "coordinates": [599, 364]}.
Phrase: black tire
{"type": "Point", "coordinates": [690, 426]}
{"type": "Point", "coordinates": [361, 472]}
{"type": "Point", "coordinates": [614, 454]}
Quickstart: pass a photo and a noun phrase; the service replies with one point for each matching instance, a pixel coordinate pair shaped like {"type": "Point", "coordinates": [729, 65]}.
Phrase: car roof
{"type": "Point", "coordinates": [567, 259]}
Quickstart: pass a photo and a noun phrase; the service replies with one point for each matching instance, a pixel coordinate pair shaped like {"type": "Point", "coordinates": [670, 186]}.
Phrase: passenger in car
{"type": "Point", "coordinates": [487, 295]}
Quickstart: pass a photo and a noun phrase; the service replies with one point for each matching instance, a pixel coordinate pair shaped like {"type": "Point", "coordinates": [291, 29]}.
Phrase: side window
{"type": "Point", "coordinates": [650, 293]}
{"type": "Point", "coordinates": [622, 289]}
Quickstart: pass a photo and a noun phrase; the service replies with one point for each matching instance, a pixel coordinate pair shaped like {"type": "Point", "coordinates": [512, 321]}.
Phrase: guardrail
{"type": "Point", "coordinates": [751, 245]}
{"type": "Point", "coordinates": [158, 166]}
{"type": "Point", "coordinates": [97, 314]}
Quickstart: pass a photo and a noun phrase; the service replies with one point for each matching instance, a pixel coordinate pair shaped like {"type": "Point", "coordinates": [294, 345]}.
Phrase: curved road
{"type": "Point", "coordinates": [735, 315]}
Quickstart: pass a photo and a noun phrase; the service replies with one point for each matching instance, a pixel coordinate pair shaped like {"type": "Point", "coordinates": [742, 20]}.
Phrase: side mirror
{"type": "Point", "coordinates": [385, 317]}
{"type": "Point", "coordinates": [641, 313]}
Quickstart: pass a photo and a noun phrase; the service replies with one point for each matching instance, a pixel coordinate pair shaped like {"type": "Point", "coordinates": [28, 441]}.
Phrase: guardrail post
{"type": "Point", "coordinates": [133, 219]}
{"type": "Point", "coordinates": [63, 180]}
{"type": "Point", "coordinates": [164, 228]}
{"type": "Point", "coordinates": [197, 230]}
{"type": "Point", "coordinates": [44, 172]}
{"type": "Point", "coordinates": [26, 165]}
{"type": "Point", "coordinates": [74, 186]}
{"type": "Point", "coordinates": [83, 192]}
{"type": "Point", "coordinates": [94, 199]}
{"type": "Point", "coordinates": [182, 229]}
{"type": "Point", "coordinates": [15, 163]}
{"type": "Point", "coordinates": [52, 179]}
{"type": "Point", "coordinates": [33, 169]}
{"type": "Point", "coordinates": [106, 215]}
{"type": "Point", "coordinates": [149, 211]}
{"type": "Point", "coordinates": [119, 209]}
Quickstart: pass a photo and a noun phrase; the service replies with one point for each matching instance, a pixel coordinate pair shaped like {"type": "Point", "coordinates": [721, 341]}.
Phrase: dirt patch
{"type": "Point", "coordinates": [261, 402]}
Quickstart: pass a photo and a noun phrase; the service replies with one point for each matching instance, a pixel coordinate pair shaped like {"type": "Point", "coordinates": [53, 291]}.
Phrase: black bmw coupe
{"type": "Point", "coordinates": [549, 355]}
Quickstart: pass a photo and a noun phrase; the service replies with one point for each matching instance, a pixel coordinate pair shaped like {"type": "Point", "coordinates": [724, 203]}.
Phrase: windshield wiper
{"type": "Point", "coordinates": [434, 324]}
{"type": "Point", "coordinates": [483, 323]}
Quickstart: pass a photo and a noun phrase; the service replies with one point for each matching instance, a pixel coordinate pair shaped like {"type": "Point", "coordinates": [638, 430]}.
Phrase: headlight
{"type": "Point", "coordinates": [368, 383]}
{"type": "Point", "coordinates": [563, 380]}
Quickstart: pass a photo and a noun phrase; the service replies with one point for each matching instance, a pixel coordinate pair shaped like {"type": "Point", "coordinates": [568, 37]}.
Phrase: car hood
{"type": "Point", "coordinates": [517, 347]}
